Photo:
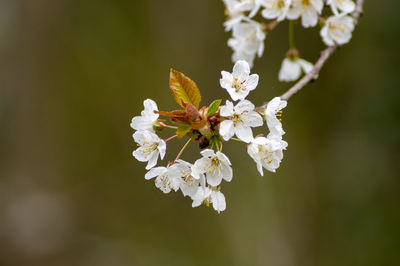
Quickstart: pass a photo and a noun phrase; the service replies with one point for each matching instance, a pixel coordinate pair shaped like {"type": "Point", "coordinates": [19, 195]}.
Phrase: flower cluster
{"type": "Point", "coordinates": [248, 35]}
{"type": "Point", "coordinates": [209, 126]}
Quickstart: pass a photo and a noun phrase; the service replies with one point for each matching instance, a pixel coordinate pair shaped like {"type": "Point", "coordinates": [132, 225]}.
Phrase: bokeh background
{"type": "Point", "coordinates": [73, 74]}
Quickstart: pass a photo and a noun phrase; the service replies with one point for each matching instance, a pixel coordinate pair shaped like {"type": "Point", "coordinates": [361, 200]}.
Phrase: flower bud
{"type": "Point", "coordinates": [203, 142]}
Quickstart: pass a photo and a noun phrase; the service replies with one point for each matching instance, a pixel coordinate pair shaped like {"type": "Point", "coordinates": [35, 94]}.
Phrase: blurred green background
{"type": "Point", "coordinates": [73, 74]}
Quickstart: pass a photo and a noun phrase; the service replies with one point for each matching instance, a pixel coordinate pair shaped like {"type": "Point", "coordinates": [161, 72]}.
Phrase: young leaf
{"type": "Point", "coordinates": [213, 108]}
{"type": "Point", "coordinates": [184, 89]}
{"type": "Point", "coordinates": [183, 129]}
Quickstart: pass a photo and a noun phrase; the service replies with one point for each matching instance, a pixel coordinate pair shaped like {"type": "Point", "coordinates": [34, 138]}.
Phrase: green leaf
{"type": "Point", "coordinates": [183, 129]}
{"type": "Point", "coordinates": [184, 89]}
{"type": "Point", "coordinates": [213, 108]}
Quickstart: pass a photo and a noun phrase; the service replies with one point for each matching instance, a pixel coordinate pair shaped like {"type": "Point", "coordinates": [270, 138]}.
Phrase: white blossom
{"type": "Point", "coordinates": [150, 147]}
{"type": "Point", "coordinates": [307, 9]}
{"type": "Point", "coordinates": [267, 152]}
{"type": "Point", "coordinates": [206, 195]}
{"type": "Point", "coordinates": [189, 184]}
{"type": "Point", "coordinates": [291, 69]}
{"type": "Point", "coordinates": [235, 10]}
{"type": "Point", "coordinates": [166, 180]}
{"type": "Point", "coordinates": [247, 40]}
{"type": "Point", "coordinates": [240, 82]}
{"type": "Point", "coordinates": [275, 9]}
{"type": "Point", "coordinates": [147, 118]}
{"type": "Point", "coordinates": [346, 6]}
{"type": "Point", "coordinates": [239, 120]}
{"type": "Point", "coordinates": [337, 30]}
{"type": "Point", "coordinates": [273, 110]}
{"type": "Point", "coordinates": [215, 166]}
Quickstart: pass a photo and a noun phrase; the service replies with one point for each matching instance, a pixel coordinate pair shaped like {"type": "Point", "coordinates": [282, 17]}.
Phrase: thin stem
{"type": "Point", "coordinates": [235, 139]}
{"type": "Point", "coordinates": [183, 148]}
{"type": "Point", "coordinates": [221, 145]}
{"type": "Point", "coordinates": [167, 126]}
{"type": "Point", "coordinates": [168, 139]}
{"type": "Point", "coordinates": [291, 35]}
{"type": "Point", "coordinates": [216, 143]}
{"type": "Point", "coordinates": [325, 54]}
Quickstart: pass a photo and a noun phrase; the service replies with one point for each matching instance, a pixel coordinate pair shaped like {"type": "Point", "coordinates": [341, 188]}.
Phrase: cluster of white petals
{"type": "Point", "coordinates": [150, 147]}
{"type": "Point", "coordinates": [275, 9]}
{"type": "Point", "coordinates": [291, 69]}
{"type": "Point", "coordinates": [239, 120]}
{"type": "Point", "coordinates": [345, 6]}
{"type": "Point", "coordinates": [248, 35]}
{"type": "Point", "coordinates": [337, 29]}
{"type": "Point", "coordinates": [239, 83]}
{"type": "Point", "coordinates": [199, 181]}
{"type": "Point", "coordinates": [247, 40]}
{"type": "Point", "coordinates": [267, 152]}
{"type": "Point", "coordinates": [148, 118]}
{"type": "Point", "coordinates": [307, 10]}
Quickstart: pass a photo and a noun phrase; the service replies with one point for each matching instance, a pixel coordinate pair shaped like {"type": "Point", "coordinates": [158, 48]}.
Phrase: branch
{"type": "Point", "coordinates": [325, 54]}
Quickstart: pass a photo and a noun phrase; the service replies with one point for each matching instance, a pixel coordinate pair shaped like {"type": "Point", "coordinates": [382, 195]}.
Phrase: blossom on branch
{"type": "Point", "coordinates": [267, 152]}
{"type": "Point", "coordinates": [346, 6]}
{"type": "Point", "coordinates": [272, 112]}
{"type": "Point", "coordinates": [150, 147]}
{"type": "Point", "coordinates": [337, 30]}
{"type": "Point", "coordinates": [247, 40]}
{"type": "Point", "coordinates": [215, 166]}
{"type": "Point", "coordinates": [275, 9]}
{"type": "Point", "coordinates": [148, 118]}
{"type": "Point", "coordinates": [239, 120]}
{"type": "Point", "coordinates": [309, 10]}
{"type": "Point", "coordinates": [207, 196]}
{"type": "Point", "coordinates": [292, 67]}
{"type": "Point", "coordinates": [239, 83]}
{"type": "Point", "coordinates": [166, 180]}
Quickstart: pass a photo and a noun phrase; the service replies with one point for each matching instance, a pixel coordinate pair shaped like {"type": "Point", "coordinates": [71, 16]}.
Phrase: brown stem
{"type": "Point", "coordinates": [325, 54]}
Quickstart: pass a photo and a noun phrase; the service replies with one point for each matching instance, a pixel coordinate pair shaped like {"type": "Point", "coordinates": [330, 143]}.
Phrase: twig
{"type": "Point", "coordinates": [325, 54]}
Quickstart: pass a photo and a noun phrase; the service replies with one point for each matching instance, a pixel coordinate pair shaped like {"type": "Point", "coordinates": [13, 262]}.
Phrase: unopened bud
{"type": "Point", "coordinates": [203, 142]}
{"type": "Point", "coordinates": [214, 119]}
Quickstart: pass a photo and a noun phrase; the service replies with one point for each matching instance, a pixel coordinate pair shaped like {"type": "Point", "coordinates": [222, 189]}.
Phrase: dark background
{"type": "Point", "coordinates": [73, 74]}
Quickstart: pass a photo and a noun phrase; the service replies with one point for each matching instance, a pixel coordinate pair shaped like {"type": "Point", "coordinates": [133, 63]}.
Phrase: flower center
{"type": "Point", "coordinates": [238, 85]}
{"type": "Point", "coordinates": [337, 27]}
{"type": "Point", "coordinates": [236, 118]}
{"type": "Point", "coordinates": [214, 164]}
{"type": "Point", "coordinates": [149, 147]}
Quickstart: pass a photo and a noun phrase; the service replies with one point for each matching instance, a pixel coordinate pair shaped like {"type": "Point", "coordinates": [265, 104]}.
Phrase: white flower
{"type": "Point", "coordinates": [273, 110]}
{"type": "Point", "coordinates": [235, 10]}
{"type": "Point", "coordinates": [207, 196]}
{"type": "Point", "coordinates": [247, 40]}
{"type": "Point", "coordinates": [275, 9]}
{"type": "Point", "coordinates": [267, 152]}
{"type": "Point", "coordinates": [337, 30]}
{"type": "Point", "coordinates": [346, 6]}
{"type": "Point", "coordinates": [235, 14]}
{"type": "Point", "coordinates": [240, 120]}
{"type": "Point", "coordinates": [307, 9]}
{"type": "Point", "coordinates": [147, 118]}
{"type": "Point", "coordinates": [251, 6]}
{"type": "Point", "coordinates": [150, 147]}
{"type": "Point", "coordinates": [216, 166]}
{"type": "Point", "coordinates": [239, 83]}
{"type": "Point", "coordinates": [166, 180]}
{"type": "Point", "coordinates": [189, 185]}
{"type": "Point", "coordinates": [291, 69]}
